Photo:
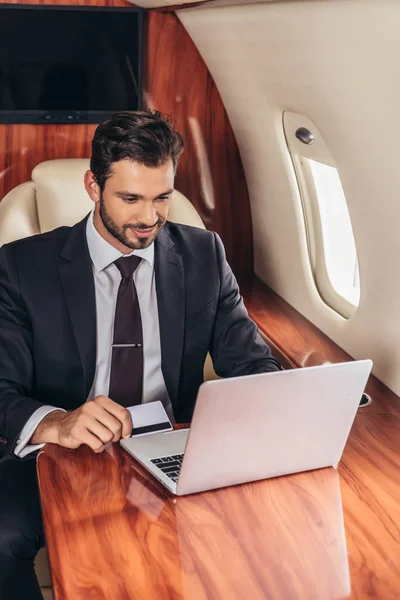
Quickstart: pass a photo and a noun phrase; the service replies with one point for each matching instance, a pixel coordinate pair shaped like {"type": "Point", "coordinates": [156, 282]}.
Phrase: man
{"type": "Point", "coordinates": [120, 309]}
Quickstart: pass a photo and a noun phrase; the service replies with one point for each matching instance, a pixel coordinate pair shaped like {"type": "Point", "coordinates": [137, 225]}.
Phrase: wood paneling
{"type": "Point", "coordinates": [28, 145]}
{"type": "Point", "coordinates": [304, 345]}
{"type": "Point", "coordinates": [210, 173]}
{"type": "Point", "coordinates": [114, 532]}
{"type": "Point", "coordinates": [177, 82]}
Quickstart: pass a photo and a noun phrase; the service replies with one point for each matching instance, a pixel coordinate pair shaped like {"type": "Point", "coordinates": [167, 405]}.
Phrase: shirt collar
{"type": "Point", "coordinates": [103, 254]}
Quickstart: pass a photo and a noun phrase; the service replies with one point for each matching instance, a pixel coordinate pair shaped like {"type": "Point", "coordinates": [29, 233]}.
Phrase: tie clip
{"type": "Point", "coordinates": [126, 345]}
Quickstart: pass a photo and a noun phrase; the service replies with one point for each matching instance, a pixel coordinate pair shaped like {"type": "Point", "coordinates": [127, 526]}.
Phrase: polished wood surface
{"type": "Point", "coordinates": [210, 172]}
{"type": "Point", "coordinates": [369, 480]}
{"type": "Point", "coordinates": [301, 344]}
{"type": "Point", "coordinates": [25, 146]}
{"type": "Point", "coordinates": [114, 532]}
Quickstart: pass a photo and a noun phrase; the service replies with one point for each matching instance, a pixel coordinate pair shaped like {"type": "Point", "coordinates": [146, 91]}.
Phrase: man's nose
{"type": "Point", "coordinates": [148, 215]}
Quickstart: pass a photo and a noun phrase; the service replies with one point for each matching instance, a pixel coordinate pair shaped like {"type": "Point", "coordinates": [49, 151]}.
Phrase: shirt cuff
{"type": "Point", "coordinates": [23, 448]}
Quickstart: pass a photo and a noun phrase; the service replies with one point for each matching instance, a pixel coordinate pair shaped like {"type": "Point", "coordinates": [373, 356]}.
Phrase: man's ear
{"type": "Point", "coordinates": [92, 187]}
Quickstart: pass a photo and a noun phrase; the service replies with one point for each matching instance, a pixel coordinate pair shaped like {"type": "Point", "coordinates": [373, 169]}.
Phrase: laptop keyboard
{"type": "Point", "coordinates": [170, 465]}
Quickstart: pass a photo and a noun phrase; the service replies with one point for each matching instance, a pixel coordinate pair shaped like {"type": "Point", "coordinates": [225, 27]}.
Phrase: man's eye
{"type": "Point", "coordinates": [130, 200]}
{"type": "Point", "coordinates": [163, 198]}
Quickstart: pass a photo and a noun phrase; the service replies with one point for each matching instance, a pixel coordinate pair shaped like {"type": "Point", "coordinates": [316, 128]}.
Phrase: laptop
{"type": "Point", "coordinates": [256, 427]}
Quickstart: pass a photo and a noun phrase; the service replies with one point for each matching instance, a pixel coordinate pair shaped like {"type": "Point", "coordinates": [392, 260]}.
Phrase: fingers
{"type": "Point", "coordinates": [81, 435]}
{"type": "Point", "coordinates": [119, 412]}
{"type": "Point", "coordinates": [92, 441]}
{"type": "Point", "coordinates": [100, 431]}
{"type": "Point", "coordinates": [75, 430]}
{"type": "Point", "coordinates": [107, 419]}
{"type": "Point", "coordinates": [95, 424]}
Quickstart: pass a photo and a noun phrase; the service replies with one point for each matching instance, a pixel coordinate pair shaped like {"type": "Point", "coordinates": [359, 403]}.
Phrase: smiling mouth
{"type": "Point", "coordinates": [144, 232]}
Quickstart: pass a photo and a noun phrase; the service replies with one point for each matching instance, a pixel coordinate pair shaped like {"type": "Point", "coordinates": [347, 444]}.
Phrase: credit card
{"type": "Point", "coordinates": [149, 418]}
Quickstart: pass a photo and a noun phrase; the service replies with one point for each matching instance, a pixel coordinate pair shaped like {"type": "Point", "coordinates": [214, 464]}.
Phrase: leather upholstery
{"type": "Point", "coordinates": [56, 196]}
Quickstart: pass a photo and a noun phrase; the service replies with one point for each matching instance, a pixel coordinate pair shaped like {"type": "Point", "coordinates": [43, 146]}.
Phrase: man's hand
{"type": "Point", "coordinates": [95, 423]}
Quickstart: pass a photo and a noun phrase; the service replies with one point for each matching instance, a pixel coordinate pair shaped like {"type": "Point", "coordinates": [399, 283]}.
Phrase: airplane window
{"type": "Point", "coordinates": [330, 238]}
{"type": "Point", "coordinates": [337, 234]}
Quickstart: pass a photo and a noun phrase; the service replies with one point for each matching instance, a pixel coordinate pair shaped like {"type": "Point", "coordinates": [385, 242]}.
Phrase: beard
{"type": "Point", "coordinates": [120, 234]}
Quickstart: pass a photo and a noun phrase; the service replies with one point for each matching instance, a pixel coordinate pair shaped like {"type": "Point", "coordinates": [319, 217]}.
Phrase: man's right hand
{"type": "Point", "coordinates": [95, 423]}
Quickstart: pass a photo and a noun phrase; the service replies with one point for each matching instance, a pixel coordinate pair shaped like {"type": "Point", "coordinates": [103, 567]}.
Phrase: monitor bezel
{"type": "Point", "coordinates": [59, 117]}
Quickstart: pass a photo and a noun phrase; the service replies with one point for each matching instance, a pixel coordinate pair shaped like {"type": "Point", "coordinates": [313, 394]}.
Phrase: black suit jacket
{"type": "Point", "coordinates": [48, 322]}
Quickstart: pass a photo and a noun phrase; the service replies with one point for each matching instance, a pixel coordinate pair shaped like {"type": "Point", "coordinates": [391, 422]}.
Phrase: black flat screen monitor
{"type": "Point", "coordinates": [61, 64]}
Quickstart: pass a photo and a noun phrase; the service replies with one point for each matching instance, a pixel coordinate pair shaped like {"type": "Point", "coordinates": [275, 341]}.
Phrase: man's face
{"type": "Point", "coordinates": [134, 204]}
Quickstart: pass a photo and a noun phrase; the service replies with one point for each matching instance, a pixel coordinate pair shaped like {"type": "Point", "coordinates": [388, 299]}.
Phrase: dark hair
{"type": "Point", "coordinates": [145, 137]}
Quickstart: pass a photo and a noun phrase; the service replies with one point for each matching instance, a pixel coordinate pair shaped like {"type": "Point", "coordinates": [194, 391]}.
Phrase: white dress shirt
{"type": "Point", "coordinates": [107, 279]}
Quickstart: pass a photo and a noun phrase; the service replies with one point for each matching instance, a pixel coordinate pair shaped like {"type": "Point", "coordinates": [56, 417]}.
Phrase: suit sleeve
{"type": "Point", "coordinates": [237, 348]}
{"type": "Point", "coordinates": [16, 360]}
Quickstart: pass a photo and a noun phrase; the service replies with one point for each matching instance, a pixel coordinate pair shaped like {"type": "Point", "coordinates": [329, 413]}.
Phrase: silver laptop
{"type": "Point", "coordinates": [257, 426]}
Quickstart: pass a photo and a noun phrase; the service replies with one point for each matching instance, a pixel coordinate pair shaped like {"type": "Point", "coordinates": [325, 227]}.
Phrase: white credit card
{"type": "Point", "coordinates": [149, 418]}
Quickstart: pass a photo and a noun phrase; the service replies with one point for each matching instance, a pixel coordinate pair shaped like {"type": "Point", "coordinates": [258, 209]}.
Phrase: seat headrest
{"type": "Point", "coordinates": [62, 199]}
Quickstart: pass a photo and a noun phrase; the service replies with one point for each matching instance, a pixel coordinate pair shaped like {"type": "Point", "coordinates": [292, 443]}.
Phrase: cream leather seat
{"type": "Point", "coordinates": [56, 196]}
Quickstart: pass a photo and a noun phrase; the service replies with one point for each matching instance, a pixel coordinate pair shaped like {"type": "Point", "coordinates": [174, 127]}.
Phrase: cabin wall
{"type": "Point", "coordinates": [335, 61]}
{"type": "Point", "coordinates": [177, 82]}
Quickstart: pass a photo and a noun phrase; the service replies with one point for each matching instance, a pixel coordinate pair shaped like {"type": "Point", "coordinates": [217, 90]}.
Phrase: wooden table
{"type": "Point", "coordinates": [113, 533]}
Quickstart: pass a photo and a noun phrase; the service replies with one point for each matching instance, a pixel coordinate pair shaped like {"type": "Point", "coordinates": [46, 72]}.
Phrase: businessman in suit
{"type": "Point", "coordinates": [118, 310]}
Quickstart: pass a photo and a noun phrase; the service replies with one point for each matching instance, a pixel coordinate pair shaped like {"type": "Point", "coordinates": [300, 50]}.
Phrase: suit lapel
{"type": "Point", "coordinates": [170, 286]}
{"type": "Point", "coordinates": [78, 286]}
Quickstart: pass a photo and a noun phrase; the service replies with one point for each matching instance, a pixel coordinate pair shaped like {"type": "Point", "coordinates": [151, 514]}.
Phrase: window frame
{"type": "Point", "coordinates": [312, 215]}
